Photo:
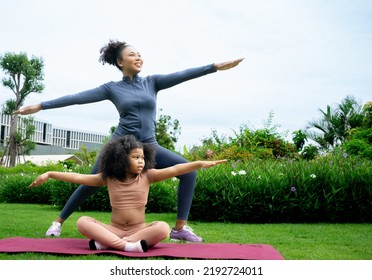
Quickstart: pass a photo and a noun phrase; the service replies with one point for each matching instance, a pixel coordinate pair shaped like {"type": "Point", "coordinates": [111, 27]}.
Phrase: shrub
{"type": "Point", "coordinates": [333, 188]}
{"type": "Point", "coordinates": [14, 182]}
{"type": "Point", "coordinates": [309, 152]}
{"type": "Point", "coordinates": [163, 197]}
{"type": "Point", "coordinates": [329, 189]}
{"type": "Point", "coordinates": [245, 145]}
{"type": "Point", "coordinates": [360, 143]}
{"type": "Point", "coordinates": [14, 190]}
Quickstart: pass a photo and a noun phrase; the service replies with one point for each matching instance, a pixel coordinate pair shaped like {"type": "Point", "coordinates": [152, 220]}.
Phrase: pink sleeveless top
{"type": "Point", "coordinates": [131, 194]}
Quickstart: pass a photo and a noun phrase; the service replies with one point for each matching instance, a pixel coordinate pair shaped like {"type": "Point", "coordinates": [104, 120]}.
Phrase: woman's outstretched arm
{"type": "Point", "coordinates": [84, 97]}
{"type": "Point", "coordinates": [28, 110]}
{"type": "Point", "coordinates": [170, 80]}
{"type": "Point", "coordinates": [227, 64]}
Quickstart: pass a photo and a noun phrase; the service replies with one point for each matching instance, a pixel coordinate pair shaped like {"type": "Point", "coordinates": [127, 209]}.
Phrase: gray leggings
{"type": "Point", "coordinates": [164, 158]}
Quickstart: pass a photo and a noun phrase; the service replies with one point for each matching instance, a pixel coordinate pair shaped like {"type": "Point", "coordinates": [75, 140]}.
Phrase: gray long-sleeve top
{"type": "Point", "coordinates": [134, 99]}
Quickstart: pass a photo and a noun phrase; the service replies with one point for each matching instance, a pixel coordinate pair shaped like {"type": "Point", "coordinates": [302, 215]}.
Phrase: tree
{"type": "Point", "coordinates": [332, 129]}
{"type": "Point", "coordinates": [299, 138]}
{"type": "Point", "coordinates": [367, 110]}
{"type": "Point", "coordinates": [325, 134]}
{"type": "Point", "coordinates": [23, 136]}
{"type": "Point", "coordinates": [23, 76]}
{"type": "Point", "coordinates": [359, 140]}
{"type": "Point", "coordinates": [167, 131]}
{"type": "Point", "coordinates": [88, 157]}
{"type": "Point", "coordinates": [166, 135]}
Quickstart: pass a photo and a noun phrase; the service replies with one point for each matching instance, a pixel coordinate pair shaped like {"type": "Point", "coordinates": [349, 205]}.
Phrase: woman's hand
{"type": "Point", "coordinates": [227, 64]}
{"type": "Point", "coordinates": [31, 109]}
{"type": "Point", "coordinates": [39, 180]}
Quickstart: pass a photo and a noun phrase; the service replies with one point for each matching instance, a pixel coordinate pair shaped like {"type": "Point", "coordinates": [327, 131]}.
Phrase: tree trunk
{"type": "Point", "coordinates": [12, 146]}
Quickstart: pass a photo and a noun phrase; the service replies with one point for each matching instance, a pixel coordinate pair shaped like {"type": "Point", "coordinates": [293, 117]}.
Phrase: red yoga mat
{"type": "Point", "coordinates": [78, 246]}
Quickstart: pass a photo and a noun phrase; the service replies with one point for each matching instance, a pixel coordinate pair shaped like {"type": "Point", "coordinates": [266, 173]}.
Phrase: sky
{"type": "Point", "coordinates": [300, 56]}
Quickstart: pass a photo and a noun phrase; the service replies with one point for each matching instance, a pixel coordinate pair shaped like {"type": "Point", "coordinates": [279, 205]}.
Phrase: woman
{"type": "Point", "coordinates": [135, 100]}
{"type": "Point", "coordinates": [127, 169]}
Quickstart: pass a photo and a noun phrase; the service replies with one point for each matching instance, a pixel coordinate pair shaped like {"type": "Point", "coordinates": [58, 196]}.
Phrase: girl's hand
{"type": "Point", "coordinates": [228, 64]}
{"type": "Point", "coordinates": [39, 180]}
{"type": "Point", "coordinates": [207, 164]}
{"type": "Point", "coordinates": [31, 109]}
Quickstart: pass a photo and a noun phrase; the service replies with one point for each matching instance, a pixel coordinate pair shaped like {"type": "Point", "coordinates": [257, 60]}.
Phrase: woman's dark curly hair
{"type": "Point", "coordinates": [111, 52]}
{"type": "Point", "coordinates": [115, 157]}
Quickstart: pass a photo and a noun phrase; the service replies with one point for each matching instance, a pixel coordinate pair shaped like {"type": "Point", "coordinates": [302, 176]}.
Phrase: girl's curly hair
{"type": "Point", "coordinates": [111, 52]}
{"type": "Point", "coordinates": [115, 157]}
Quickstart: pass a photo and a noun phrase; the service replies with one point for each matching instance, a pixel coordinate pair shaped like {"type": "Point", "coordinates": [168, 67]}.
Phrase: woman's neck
{"type": "Point", "coordinates": [129, 75]}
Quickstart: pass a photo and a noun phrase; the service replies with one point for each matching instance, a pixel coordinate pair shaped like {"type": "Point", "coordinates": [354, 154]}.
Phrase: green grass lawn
{"type": "Point", "coordinates": [293, 241]}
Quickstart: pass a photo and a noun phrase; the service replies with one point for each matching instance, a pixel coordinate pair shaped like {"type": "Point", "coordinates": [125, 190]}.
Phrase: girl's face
{"type": "Point", "coordinates": [131, 61]}
{"type": "Point", "coordinates": [136, 161]}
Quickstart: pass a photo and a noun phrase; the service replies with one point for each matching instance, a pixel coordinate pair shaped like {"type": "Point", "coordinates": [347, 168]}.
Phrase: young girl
{"type": "Point", "coordinates": [127, 170]}
{"type": "Point", "coordinates": [135, 99]}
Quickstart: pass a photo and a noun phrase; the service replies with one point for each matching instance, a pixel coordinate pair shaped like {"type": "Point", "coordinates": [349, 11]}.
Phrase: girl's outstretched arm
{"type": "Point", "coordinates": [182, 168]}
{"type": "Point", "coordinates": [94, 180]}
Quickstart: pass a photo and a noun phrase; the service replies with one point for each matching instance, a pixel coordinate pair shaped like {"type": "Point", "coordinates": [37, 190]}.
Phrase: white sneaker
{"type": "Point", "coordinates": [185, 234]}
{"type": "Point", "coordinates": [54, 230]}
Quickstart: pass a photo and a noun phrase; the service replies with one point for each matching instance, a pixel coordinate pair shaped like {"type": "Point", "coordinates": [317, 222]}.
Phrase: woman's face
{"type": "Point", "coordinates": [131, 61]}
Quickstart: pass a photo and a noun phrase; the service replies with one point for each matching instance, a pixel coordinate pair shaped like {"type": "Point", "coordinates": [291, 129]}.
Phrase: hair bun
{"type": "Point", "coordinates": [111, 52]}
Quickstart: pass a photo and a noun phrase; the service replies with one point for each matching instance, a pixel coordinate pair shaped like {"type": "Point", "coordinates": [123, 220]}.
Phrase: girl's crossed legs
{"type": "Point", "coordinates": [117, 236]}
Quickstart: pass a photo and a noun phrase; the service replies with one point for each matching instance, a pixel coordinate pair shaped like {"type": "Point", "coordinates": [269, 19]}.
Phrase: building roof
{"type": "Point", "coordinates": [45, 159]}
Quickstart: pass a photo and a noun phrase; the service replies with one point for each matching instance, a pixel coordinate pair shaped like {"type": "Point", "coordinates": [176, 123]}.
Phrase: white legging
{"type": "Point", "coordinates": [115, 236]}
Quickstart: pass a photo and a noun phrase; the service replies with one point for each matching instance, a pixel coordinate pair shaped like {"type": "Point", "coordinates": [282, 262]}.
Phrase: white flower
{"type": "Point", "coordinates": [233, 173]}
{"type": "Point", "coordinates": [242, 172]}
{"type": "Point", "coordinates": [259, 177]}
{"type": "Point", "coordinates": [174, 179]}
{"type": "Point", "coordinates": [313, 176]}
